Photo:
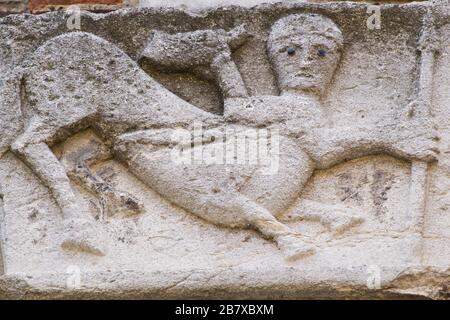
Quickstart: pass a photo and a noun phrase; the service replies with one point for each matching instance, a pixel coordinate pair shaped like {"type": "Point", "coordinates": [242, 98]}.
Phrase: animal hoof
{"type": "Point", "coordinates": [82, 236]}
{"type": "Point", "coordinates": [294, 248]}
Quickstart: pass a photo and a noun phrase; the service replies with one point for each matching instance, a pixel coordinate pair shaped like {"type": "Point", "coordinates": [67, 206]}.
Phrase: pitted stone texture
{"type": "Point", "coordinates": [155, 228]}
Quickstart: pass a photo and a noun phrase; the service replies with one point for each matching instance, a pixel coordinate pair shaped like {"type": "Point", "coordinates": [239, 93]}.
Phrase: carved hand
{"type": "Point", "coordinates": [414, 137]}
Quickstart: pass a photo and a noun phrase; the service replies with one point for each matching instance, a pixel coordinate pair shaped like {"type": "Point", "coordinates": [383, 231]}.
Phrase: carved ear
{"type": "Point", "coordinates": [154, 34]}
{"type": "Point", "coordinates": [237, 36]}
{"type": "Point", "coordinates": [151, 36]}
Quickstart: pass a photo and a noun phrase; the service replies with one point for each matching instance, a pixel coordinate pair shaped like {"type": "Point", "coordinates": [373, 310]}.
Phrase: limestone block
{"type": "Point", "coordinates": [290, 150]}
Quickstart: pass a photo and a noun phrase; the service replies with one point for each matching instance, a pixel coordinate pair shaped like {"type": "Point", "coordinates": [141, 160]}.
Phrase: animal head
{"type": "Point", "coordinates": [191, 50]}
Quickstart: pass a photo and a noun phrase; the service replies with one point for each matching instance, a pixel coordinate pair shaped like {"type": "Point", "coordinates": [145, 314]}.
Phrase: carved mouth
{"type": "Point", "coordinates": [304, 75]}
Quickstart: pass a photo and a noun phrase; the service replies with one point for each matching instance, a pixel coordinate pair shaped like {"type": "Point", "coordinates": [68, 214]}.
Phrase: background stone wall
{"type": "Point", "coordinates": [39, 6]}
{"type": "Point", "coordinates": [170, 253]}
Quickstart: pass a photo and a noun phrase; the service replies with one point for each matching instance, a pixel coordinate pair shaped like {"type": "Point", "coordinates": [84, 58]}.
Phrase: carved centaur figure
{"type": "Point", "coordinates": [78, 80]}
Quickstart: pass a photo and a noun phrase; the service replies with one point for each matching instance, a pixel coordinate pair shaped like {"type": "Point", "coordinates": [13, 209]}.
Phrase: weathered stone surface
{"type": "Point", "coordinates": [13, 6]}
{"type": "Point", "coordinates": [317, 166]}
{"type": "Point", "coordinates": [47, 5]}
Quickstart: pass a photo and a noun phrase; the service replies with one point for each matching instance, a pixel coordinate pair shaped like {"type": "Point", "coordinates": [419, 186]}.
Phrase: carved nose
{"type": "Point", "coordinates": [307, 55]}
{"type": "Point", "coordinates": [305, 62]}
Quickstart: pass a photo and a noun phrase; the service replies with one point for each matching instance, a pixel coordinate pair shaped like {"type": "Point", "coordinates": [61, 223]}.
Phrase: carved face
{"type": "Point", "coordinates": [303, 56]}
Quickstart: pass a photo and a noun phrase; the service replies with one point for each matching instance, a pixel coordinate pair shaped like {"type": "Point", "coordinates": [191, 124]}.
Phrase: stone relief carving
{"type": "Point", "coordinates": [93, 84]}
{"type": "Point", "coordinates": [2, 268]}
{"type": "Point", "coordinates": [276, 151]}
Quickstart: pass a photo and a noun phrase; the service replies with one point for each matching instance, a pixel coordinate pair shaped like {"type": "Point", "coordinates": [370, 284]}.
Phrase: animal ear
{"type": "Point", "coordinates": [154, 34]}
{"type": "Point", "coordinates": [152, 37]}
{"type": "Point", "coordinates": [237, 36]}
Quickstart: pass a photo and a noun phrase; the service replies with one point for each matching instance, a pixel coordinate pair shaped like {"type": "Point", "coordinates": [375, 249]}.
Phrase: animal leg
{"type": "Point", "coordinates": [290, 243]}
{"type": "Point", "coordinates": [112, 201]}
{"type": "Point", "coordinates": [82, 235]}
{"type": "Point", "coordinates": [46, 166]}
{"type": "Point", "coordinates": [77, 163]}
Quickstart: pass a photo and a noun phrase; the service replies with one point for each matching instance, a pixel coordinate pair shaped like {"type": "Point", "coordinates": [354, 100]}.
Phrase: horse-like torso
{"type": "Point", "coordinates": [94, 84]}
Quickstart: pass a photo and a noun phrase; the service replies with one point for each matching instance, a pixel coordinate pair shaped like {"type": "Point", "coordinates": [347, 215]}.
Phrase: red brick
{"type": "Point", "coordinates": [47, 5]}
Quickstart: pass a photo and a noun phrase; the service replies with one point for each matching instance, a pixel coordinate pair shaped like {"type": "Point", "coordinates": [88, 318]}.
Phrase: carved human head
{"type": "Point", "coordinates": [304, 50]}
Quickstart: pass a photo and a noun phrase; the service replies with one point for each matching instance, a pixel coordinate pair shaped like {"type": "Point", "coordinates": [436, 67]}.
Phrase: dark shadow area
{"type": "Point", "coordinates": [201, 93]}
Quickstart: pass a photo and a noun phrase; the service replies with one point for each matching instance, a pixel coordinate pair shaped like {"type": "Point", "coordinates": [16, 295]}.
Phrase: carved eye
{"type": "Point", "coordinates": [290, 51]}
{"type": "Point", "coordinates": [321, 53]}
